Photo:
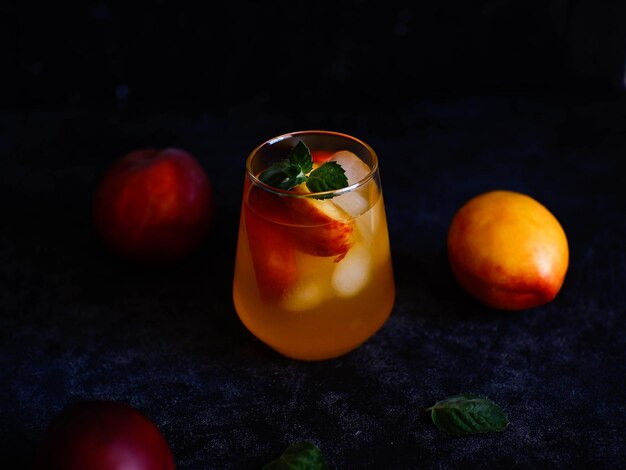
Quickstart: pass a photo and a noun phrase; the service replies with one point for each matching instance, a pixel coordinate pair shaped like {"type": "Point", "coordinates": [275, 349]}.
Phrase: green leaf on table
{"type": "Point", "coordinates": [466, 414]}
{"type": "Point", "coordinates": [299, 456]}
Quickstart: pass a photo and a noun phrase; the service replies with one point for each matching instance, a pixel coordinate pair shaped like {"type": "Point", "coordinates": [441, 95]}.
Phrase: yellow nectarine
{"type": "Point", "coordinates": [507, 250]}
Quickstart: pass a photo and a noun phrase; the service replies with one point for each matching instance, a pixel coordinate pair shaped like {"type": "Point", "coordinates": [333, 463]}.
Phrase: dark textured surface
{"type": "Point", "coordinates": [76, 323]}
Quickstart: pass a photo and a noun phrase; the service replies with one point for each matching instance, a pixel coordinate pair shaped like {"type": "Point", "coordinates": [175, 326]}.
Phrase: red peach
{"type": "Point", "coordinates": [102, 435]}
{"type": "Point", "coordinates": [154, 205]}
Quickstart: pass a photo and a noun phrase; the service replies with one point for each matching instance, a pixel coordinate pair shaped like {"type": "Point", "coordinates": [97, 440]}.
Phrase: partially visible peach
{"type": "Point", "coordinates": [507, 250]}
{"type": "Point", "coordinates": [102, 435]}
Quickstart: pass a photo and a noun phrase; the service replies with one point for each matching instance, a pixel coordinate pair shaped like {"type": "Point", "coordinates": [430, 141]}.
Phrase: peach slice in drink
{"type": "Point", "coordinates": [325, 227]}
{"type": "Point", "coordinates": [320, 227]}
{"type": "Point", "coordinates": [271, 247]}
{"type": "Point", "coordinates": [321, 156]}
{"type": "Point", "coordinates": [279, 225]}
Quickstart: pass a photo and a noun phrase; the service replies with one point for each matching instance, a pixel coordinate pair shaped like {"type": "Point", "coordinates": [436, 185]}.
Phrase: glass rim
{"type": "Point", "coordinates": [319, 194]}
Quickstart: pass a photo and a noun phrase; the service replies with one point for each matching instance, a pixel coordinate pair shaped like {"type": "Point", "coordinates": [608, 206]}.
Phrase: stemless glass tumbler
{"type": "Point", "coordinates": [313, 274]}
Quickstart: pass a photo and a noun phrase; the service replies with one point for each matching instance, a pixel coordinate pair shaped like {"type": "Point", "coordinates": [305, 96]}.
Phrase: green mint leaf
{"type": "Point", "coordinates": [465, 414]}
{"type": "Point", "coordinates": [301, 155]}
{"type": "Point", "coordinates": [328, 177]}
{"type": "Point", "coordinates": [299, 456]}
{"type": "Point", "coordinates": [296, 169]}
{"type": "Point", "coordinates": [290, 171]}
{"type": "Point", "coordinates": [283, 175]}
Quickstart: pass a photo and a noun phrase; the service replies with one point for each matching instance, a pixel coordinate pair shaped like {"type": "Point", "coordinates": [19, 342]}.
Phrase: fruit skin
{"type": "Point", "coordinates": [102, 435]}
{"type": "Point", "coordinates": [271, 247]}
{"type": "Point", "coordinates": [321, 156]}
{"type": "Point", "coordinates": [154, 205]}
{"type": "Point", "coordinates": [507, 250]}
{"type": "Point", "coordinates": [321, 228]}
{"type": "Point", "coordinates": [317, 227]}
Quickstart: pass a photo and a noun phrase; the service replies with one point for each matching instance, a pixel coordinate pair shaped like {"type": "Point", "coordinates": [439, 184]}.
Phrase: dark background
{"type": "Point", "coordinates": [283, 55]}
{"type": "Point", "coordinates": [456, 97]}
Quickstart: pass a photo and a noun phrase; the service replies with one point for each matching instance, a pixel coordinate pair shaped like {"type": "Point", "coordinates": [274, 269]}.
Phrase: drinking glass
{"type": "Point", "coordinates": [313, 274]}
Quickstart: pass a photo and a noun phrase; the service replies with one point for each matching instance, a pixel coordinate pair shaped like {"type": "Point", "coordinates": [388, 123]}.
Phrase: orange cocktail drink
{"type": "Point", "coordinates": [313, 272]}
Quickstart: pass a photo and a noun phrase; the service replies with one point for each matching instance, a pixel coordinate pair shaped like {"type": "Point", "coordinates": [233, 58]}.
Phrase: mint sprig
{"type": "Point", "coordinates": [300, 456]}
{"type": "Point", "coordinates": [296, 169]}
{"type": "Point", "coordinates": [301, 155]}
{"type": "Point", "coordinates": [465, 414]}
{"type": "Point", "coordinates": [283, 175]}
{"type": "Point", "coordinates": [327, 177]}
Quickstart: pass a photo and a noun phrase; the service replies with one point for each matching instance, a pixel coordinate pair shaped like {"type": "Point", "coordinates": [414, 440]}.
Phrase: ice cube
{"type": "Point", "coordinates": [371, 221]}
{"type": "Point", "coordinates": [307, 294]}
{"type": "Point", "coordinates": [352, 273]}
{"type": "Point", "coordinates": [352, 202]}
{"type": "Point", "coordinates": [355, 202]}
{"type": "Point", "coordinates": [355, 168]}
